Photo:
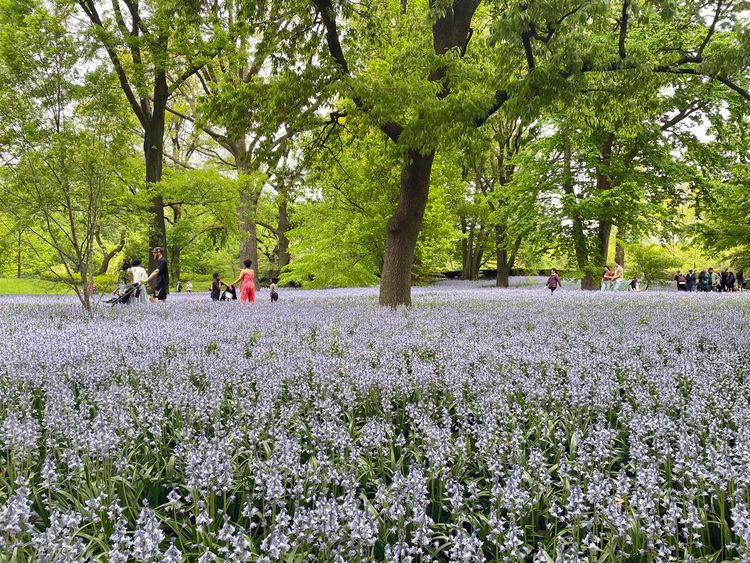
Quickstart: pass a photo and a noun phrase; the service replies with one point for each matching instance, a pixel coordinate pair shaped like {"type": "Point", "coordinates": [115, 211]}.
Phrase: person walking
{"type": "Point", "coordinates": [139, 276]}
{"type": "Point", "coordinates": [607, 277]}
{"type": "Point", "coordinates": [690, 280]}
{"type": "Point", "coordinates": [740, 281]}
{"type": "Point", "coordinates": [160, 274]}
{"type": "Point", "coordinates": [178, 286]}
{"type": "Point", "coordinates": [247, 277]}
{"type": "Point", "coordinates": [553, 281]}
{"type": "Point", "coordinates": [274, 290]}
{"type": "Point", "coordinates": [189, 287]}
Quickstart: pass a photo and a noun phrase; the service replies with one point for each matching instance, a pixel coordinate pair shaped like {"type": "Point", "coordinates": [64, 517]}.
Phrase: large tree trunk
{"type": "Point", "coordinates": [505, 259]}
{"type": "Point", "coordinates": [248, 214]}
{"type": "Point", "coordinates": [403, 229]}
{"type": "Point", "coordinates": [153, 150]}
{"type": "Point", "coordinates": [502, 278]}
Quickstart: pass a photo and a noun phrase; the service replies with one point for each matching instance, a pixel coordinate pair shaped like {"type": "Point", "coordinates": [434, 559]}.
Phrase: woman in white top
{"type": "Point", "coordinates": [138, 274]}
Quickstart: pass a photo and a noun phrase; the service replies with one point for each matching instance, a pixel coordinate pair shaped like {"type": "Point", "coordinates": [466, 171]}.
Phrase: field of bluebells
{"type": "Point", "coordinates": [480, 425]}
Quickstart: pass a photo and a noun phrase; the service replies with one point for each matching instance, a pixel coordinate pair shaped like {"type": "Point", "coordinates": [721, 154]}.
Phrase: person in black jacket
{"type": "Point", "coordinates": [730, 281]}
{"type": "Point", "coordinates": [690, 280]}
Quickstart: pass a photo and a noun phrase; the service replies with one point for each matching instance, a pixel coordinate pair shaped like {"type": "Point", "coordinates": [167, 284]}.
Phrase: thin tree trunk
{"type": "Point", "coordinates": [283, 227]}
{"type": "Point", "coordinates": [403, 229]}
{"type": "Point", "coordinates": [476, 262]}
{"type": "Point", "coordinates": [603, 184]}
{"type": "Point", "coordinates": [18, 255]}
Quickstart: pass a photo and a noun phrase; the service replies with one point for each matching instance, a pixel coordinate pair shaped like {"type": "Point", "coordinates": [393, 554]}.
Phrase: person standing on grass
{"type": "Point", "coordinates": [740, 281]}
{"type": "Point", "coordinates": [189, 287]}
{"type": "Point", "coordinates": [691, 279]}
{"type": "Point", "coordinates": [274, 290]}
{"type": "Point", "coordinates": [160, 274]}
{"type": "Point", "coordinates": [607, 277]}
{"type": "Point", "coordinates": [618, 276]}
{"type": "Point", "coordinates": [553, 281]}
{"type": "Point", "coordinates": [247, 277]}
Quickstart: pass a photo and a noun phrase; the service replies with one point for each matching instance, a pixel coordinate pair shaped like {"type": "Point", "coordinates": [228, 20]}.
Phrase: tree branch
{"type": "Point", "coordinates": [623, 29]}
{"type": "Point", "coordinates": [90, 10]}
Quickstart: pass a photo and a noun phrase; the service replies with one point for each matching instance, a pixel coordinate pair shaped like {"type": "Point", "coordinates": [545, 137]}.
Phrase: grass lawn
{"type": "Point", "coordinates": [31, 286]}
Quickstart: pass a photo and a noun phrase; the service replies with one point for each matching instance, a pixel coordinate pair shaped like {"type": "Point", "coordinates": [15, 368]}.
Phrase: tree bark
{"type": "Point", "coordinates": [476, 261]}
{"type": "Point", "coordinates": [283, 227]}
{"type": "Point", "coordinates": [505, 260]}
{"type": "Point", "coordinates": [153, 150]}
{"type": "Point", "coordinates": [619, 249]}
{"type": "Point", "coordinates": [248, 215]}
{"type": "Point", "coordinates": [502, 278]}
{"type": "Point", "coordinates": [403, 229]}
{"type": "Point", "coordinates": [603, 184]}
{"type": "Point", "coordinates": [108, 255]}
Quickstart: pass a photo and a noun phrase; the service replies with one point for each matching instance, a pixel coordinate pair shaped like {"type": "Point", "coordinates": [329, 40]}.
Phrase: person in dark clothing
{"type": "Point", "coordinates": [680, 281]}
{"type": "Point", "coordinates": [216, 287]}
{"type": "Point", "coordinates": [553, 281]}
{"type": "Point", "coordinates": [704, 281]}
{"type": "Point", "coordinates": [731, 280]}
{"type": "Point", "coordinates": [740, 281]}
{"type": "Point", "coordinates": [690, 280]}
{"type": "Point", "coordinates": [160, 274]}
{"type": "Point", "coordinates": [723, 282]}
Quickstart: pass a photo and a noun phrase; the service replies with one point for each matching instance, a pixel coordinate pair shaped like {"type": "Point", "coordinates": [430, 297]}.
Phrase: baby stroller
{"type": "Point", "coordinates": [131, 291]}
{"type": "Point", "coordinates": [229, 293]}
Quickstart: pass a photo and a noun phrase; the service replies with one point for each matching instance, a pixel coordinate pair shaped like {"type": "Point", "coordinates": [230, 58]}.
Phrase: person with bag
{"type": "Point", "coordinates": [553, 281]}
{"type": "Point", "coordinates": [681, 282]}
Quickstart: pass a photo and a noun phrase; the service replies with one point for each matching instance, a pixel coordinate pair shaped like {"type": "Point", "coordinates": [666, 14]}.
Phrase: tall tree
{"type": "Point", "coordinates": [153, 47]}
{"type": "Point", "coordinates": [419, 89]}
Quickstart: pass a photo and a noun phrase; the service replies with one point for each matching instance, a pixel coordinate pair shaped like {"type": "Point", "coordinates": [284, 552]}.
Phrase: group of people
{"type": "Point", "coordinates": [612, 279]}
{"type": "Point", "coordinates": [710, 280]}
{"type": "Point", "coordinates": [247, 287]}
{"type": "Point", "coordinates": [188, 286]}
{"type": "Point", "coordinates": [132, 277]}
